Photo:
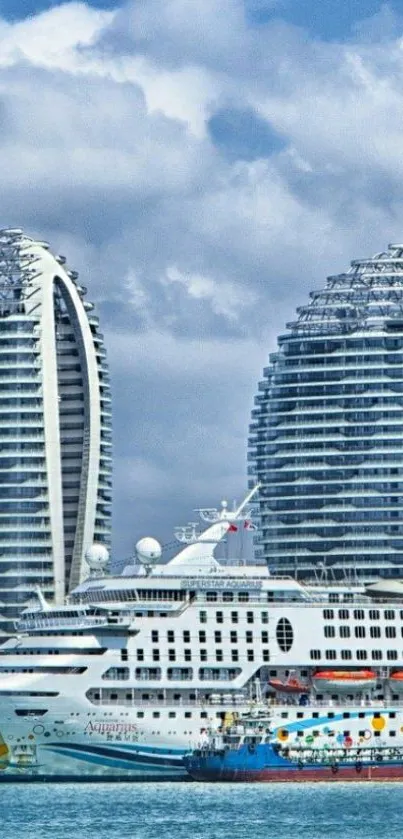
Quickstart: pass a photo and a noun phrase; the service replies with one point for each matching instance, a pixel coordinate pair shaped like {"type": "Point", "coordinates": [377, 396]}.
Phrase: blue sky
{"type": "Point", "coordinates": [203, 164]}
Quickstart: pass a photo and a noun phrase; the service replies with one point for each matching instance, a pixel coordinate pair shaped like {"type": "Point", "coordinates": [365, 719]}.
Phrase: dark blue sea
{"type": "Point", "coordinates": [193, 811]}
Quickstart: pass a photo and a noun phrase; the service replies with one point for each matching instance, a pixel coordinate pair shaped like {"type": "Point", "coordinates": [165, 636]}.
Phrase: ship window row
{"type": "Point", "coordinates": [361, 632]}
{"type": "Point", "coordinates": [36, 651]}
{"type": "Point", "coordinates": [234, 617]}
{"type": "Point", "coordinates": [39, 668]}
{"type": "Point", "coordinates": [360, 655]}
{"type": "Point", "coordinates": [124, 595]}
{"type": "Point", "coordinates": [181, 674]}
{"type": "Point", "coordinates": [218, 636]}
{"type": "Point", "coordinates": [188, 654]}
{"type": "Point", "coordinates": [361, 614]}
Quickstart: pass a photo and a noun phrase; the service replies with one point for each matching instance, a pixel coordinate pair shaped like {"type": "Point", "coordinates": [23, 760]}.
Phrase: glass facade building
{"type": "Point", "coordinates": [326, 437]}
{"type": "Point", "coordinates": [55, 426]}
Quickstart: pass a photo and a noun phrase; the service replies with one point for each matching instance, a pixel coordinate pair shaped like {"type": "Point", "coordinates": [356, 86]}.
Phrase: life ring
{"type": "Point", "coordinates": [358, 767]}
{"type": "Point", "coordinates": [335, 768]}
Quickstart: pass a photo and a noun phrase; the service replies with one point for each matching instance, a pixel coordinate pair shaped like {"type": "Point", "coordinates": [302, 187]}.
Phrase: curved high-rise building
{"type": "Point", "coordinates": [326, 438]}
{"type": "Point", "coordinates": [55, 426]}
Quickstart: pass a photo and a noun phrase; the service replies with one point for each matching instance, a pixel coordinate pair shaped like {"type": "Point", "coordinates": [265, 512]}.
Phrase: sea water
{"type": "Point", "coordinates": [193, 811]}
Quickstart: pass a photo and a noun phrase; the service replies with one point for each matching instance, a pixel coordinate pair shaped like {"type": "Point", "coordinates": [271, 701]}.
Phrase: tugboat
{"type": "Point", "coordinates": [250, 751]}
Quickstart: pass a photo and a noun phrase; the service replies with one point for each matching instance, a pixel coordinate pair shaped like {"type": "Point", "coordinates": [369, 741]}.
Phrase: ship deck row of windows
{"type": "Point", "coordinates": [359, 655]}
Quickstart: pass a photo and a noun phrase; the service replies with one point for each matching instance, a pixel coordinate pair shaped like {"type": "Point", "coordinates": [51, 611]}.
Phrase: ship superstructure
{"type": "Point", "coordinates": [120, 682]}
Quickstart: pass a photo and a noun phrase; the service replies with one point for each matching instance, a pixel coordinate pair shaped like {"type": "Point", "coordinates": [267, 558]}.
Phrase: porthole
{"type": "Point", "coordinates": [284, 635]}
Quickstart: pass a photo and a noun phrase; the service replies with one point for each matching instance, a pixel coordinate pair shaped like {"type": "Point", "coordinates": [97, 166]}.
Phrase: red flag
{"type": "Point", "coordinates": [232, 528]}
{"type": "Point", "coordinates": [248, 525]}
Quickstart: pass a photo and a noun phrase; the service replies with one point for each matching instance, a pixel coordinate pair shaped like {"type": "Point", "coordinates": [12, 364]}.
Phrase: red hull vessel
{"type": "Point", "coordinates": [307, 775]}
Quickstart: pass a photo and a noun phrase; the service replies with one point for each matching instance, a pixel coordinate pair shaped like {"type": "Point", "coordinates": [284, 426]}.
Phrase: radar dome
{"type": "Point", "coordinates": [97, 557]}
{"type": "Point", "coordinates": [148, 551]}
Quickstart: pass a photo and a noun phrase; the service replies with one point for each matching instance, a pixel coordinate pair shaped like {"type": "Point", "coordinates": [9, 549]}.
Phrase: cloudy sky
{"type": "Point", "coordinates": [203, 164]}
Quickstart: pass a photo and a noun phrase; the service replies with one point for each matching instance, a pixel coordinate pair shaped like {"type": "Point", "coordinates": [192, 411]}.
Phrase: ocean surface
{"type": "Point", "coordinates": [193, 811]}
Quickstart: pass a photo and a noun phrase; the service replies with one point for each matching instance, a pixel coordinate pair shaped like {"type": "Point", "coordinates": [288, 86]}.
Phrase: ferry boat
{"type": "Point", "coordinates": [246, 750]}
{"type": "Point", "coordinates": [125, 678]}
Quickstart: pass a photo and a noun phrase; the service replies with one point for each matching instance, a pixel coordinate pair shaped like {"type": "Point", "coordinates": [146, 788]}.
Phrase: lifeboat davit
{"type": "Point", "coordinates": [291, 685]}
{"type": "Point", "coordinates": [395, 681]}
{"type": "Point", "coordinates": [349, 681]}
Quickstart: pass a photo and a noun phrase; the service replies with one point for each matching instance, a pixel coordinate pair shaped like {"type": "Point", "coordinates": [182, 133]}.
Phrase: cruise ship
{"type": "Point", "coordinates": [135, 670]}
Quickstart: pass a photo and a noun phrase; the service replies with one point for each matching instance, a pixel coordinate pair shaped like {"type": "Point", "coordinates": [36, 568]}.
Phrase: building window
{"type": "Point", "coordinates": [390, 632]}
{"type": "Point", "coordinates": [234, 655]}
{"type": "Point", "coordinates": [250, 655]}
{"type": "Point", "coordinates": [202, 637]}
{"type": "Point", "coordinates": [171, 655]}
{"type": "Point", "coordinates": [359, 631]}
{"type": "Point", "coordinates": [234, 617]}
{"type": "Point", "coordinates": [186, 636]}
{"type": "Point", "coordinates": [265, 617]}
{"type": "Point", "coordinates": [266, 656]}
{"type": "Point", "coordinates": [249, 637]}
{"type": "Point", "coordinates": [330, 655]}
{"type": "Point", "coordinates": [375, 631]}
{"type": "Point", "coordinates": [228, 596]}
{"type": "Point", "coordinates": [391, 655]}
{"type": "Point", "coordinates": [344, 631]}
{"type": "Point", "coordinates": [328, 614]}
{"type": "Point", "coordinates": [203, 655]}
{"type": "Point", "coordinates": [329, 631]}
{"type": "Point", "coordinates": [344, 614]}
{"type": "Point", "coordinates": [361, 655]}
{"type": "Point", "coordinates": [203, 617]}
{"type": "Point", "coordinates": [156, 714]}
{"type": "Point", "coordinates": [218, 655]}
{"type": "Point", "coordinates": [217, 637]}
{"type": "Point", "coordinates": [374, 614]}
{"type": "Point", "coordinates": [389, 615]}
{"type": "Point", "coordinates": [124, 655]}
{"type": "Point", "coordinates": [265, 637]}
{"type": "Point", "coordinates": [315, 655]}
{"type": "Point", "coordinates": [170, 636]}
{"type": "Point", "coordinates": [219, 616]}
{"type": "Point", "coordinates": [156, 655]}
{"type": "Point", "coordinates": [154, 636]}
{"type": "Point", "coordinates": [249, 617]}
{"type": "Point", "coordinates": [359, 614]}
{"type": "Point", "coordinates": [140, 655]}
{"type": "Point", "coordinates": [234, 637]}
{"type": "Point", "coordinates": [188, 653]}
{"type": "Point", "coordinates": [211, 596]}
{"type": "Point", "coordinates": [346, 655]}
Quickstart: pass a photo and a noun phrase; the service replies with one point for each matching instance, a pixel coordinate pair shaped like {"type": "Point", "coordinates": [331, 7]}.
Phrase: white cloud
{"type": "Point", "coordinates": [196, 259]}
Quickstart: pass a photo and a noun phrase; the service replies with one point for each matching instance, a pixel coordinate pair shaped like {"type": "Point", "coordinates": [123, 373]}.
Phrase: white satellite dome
{"type": "Point", "coordinates": [97, 557]}
{"type": "Point", "coordinates": [148, 551]}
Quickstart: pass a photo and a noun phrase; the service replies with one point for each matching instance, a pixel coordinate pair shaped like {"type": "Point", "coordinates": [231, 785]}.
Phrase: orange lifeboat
{"type": "Point", "coordinates": [395, 681]}
{"type": "Point", "coordinates": [350, 681]}
{"type": "Point", "coordinates": [291, 685]}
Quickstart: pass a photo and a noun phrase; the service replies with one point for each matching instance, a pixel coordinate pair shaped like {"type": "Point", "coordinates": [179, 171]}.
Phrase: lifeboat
{"type": "Point", "coordinates": [291, 685]}
{"type": "Point", "coordinates": [395, 681]}
{"type": "Point", "coordinates": [350, 681]}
